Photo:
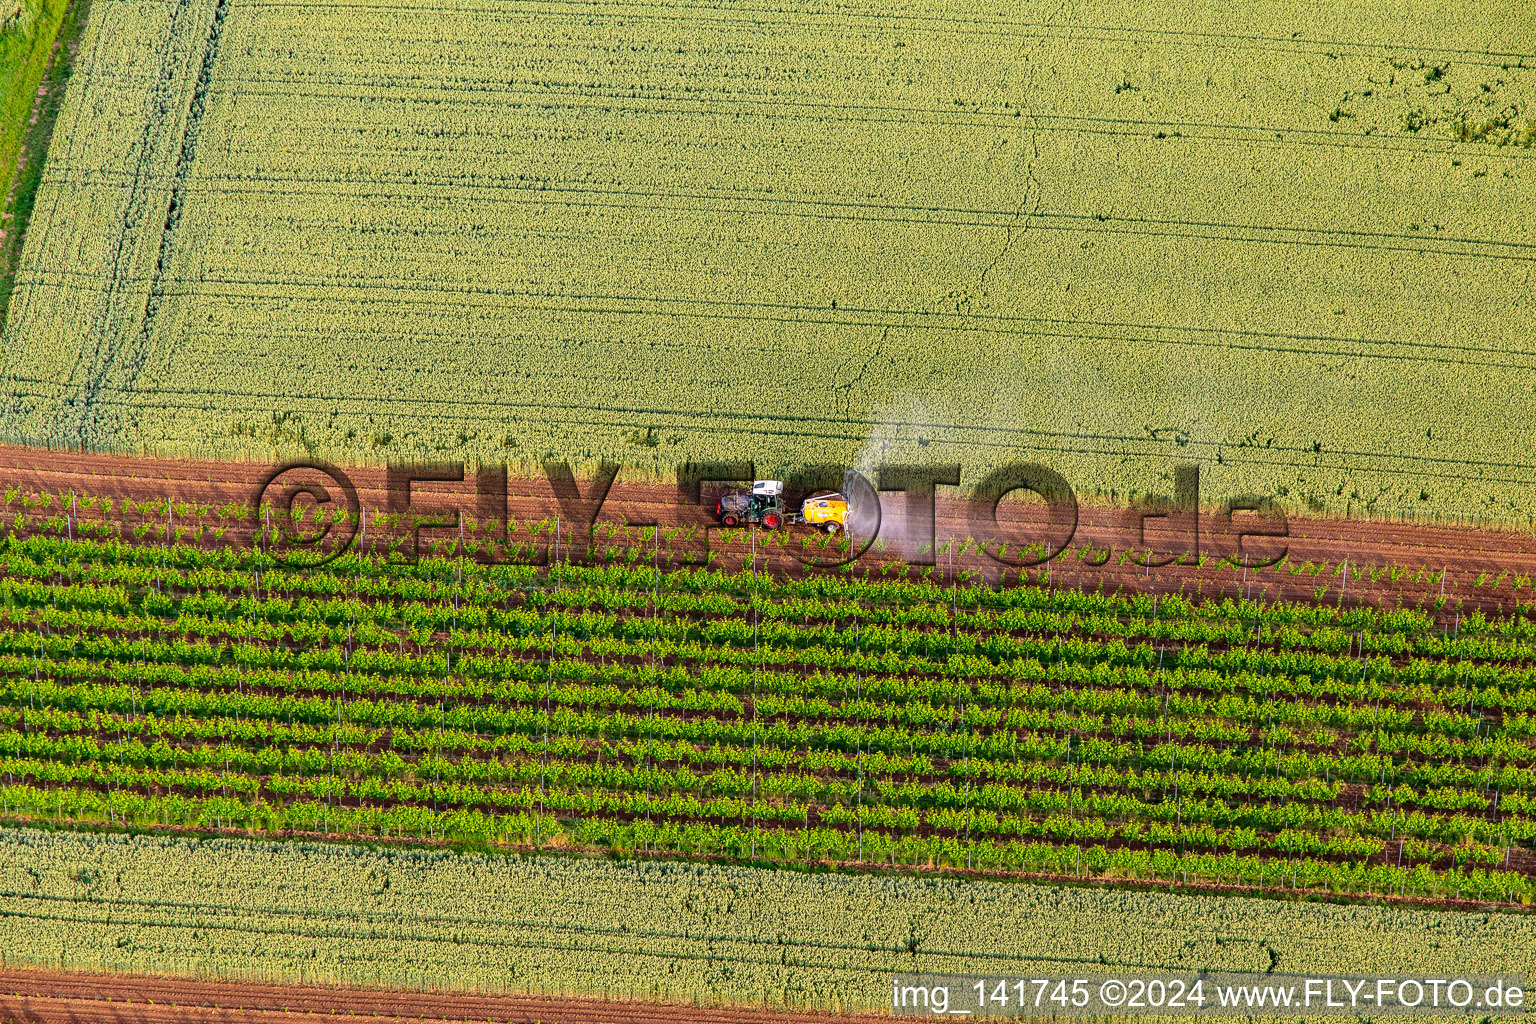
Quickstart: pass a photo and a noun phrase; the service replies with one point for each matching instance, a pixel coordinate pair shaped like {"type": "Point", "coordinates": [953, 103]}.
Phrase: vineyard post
{"type": "Point", "coordinates": [655, 591]}
{"type": "Point", "coordinates": [650, 709]}
{"type": "Point", "coordinates": [756, 663]}
{"type": "Point", "coordinates": [1178, 800]}
{"type": "Point", "coordinates": [969, 846]}
{"type": "Point", "coordinates": [858, 695]}
{"type": "Point", "coordinates": [538, 825]}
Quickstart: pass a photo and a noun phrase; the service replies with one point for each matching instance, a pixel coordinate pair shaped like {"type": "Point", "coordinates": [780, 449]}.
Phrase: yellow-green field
{"type": "Point", "coordinates": [278, 911]}
{"type": "Point", "coordinates": [1290, 241]}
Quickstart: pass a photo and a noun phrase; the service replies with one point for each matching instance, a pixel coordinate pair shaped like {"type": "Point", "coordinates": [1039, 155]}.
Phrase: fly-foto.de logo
{"type": "Point", "coordinates": [309, 512]}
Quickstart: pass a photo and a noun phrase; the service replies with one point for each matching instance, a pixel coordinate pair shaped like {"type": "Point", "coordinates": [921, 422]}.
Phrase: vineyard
{"type": "Point", "coordinates": [1105, 239]}
{"type": "Point", "coordinates": [881, 721]}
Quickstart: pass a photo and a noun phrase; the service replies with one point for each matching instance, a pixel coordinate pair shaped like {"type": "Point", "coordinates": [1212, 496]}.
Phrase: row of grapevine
{"type": "Point", "coordinates": [969, 723]}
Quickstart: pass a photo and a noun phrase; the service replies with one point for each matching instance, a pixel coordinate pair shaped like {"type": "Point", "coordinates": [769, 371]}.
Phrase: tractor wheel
{"type": "Point", "coordinates": [831, 526]}
{"type": "Point", "coordinates": [729, 520]}
{"type": "Point", "coordinates": [772, 520]}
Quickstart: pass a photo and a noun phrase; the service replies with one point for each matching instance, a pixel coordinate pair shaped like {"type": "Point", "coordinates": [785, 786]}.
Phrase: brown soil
{"type": "Point", "coordinates": [46, 997]}
{"type": "Point", "coordinates": [1465, 552]}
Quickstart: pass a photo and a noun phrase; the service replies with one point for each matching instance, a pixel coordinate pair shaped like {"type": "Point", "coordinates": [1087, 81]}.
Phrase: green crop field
{"type": "Point", "coordinates": [28, 29]}
{"type": "Point", "coordinates": [285, 911]}
{"type": "Point", "coordinates": [1287, 241]}
{"type": "Point", "coordinates": [879, 723]}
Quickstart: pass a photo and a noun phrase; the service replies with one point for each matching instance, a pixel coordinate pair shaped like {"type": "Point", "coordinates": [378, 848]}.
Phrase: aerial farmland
{"type": "Point", "coordinates": [504, 513]}
{"type": "Point", "coordinates": [655, 232]}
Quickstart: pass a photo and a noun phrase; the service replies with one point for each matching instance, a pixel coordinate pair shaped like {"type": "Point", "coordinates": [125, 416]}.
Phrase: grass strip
{"type": "Point", "coordinates": [36, 61]}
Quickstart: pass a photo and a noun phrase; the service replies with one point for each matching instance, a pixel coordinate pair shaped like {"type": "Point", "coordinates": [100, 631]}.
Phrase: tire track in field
{"type": "Point", "coordinates": [899, 116]}
{"type": "Point", "coordinates": [918, 216]}
{"type": "Point", "coordinates": [1058, 324]}
{"type": "Point", "coordinates": [859, 423]}
{"type": "Point", "coordinates": [1417, 351]}
{"type": "Point", "coordinates": [537, 192]}
{"type": "Point", "coordinates": [93, 368]}
{"type": "Point", "coordinates": [631, 11]}
{"type": "Point", "coordinates": [185, 156]}
{"type": "Point", "coordinates": [363, 923]}
{"type": "Point", "coordinates": [687, 419]}
{"type": "Point", "coordinates": [624, 940]}
{"type": "Point", "coordinates": [457, 297]}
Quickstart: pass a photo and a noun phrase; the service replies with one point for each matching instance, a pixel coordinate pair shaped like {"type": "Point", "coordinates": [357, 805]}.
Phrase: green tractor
{"type": "Point", "coordinates": [764, 507]}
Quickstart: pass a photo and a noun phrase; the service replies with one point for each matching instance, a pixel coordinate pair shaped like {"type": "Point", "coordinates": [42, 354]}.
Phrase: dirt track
{"type": "Point", "coordinates": [1467, 553]}
{"type": "Point", "coordinates": [45, 997]}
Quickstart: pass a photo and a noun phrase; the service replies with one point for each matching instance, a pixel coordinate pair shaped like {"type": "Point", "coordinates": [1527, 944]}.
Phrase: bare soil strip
{"type": "Point", "coordinates": [46, 997]}
{"type": "Point", "coordinates": [1467, 553]}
